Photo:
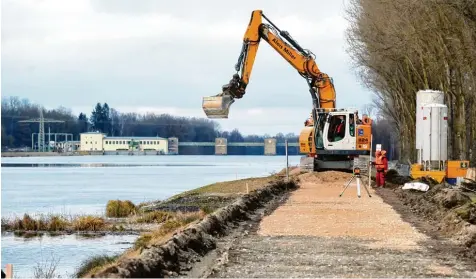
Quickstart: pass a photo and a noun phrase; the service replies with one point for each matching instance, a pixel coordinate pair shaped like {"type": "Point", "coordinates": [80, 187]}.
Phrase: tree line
{"type": "Point", "coordinates": [399, 47]}
{"type": "Point", "coordinates": [110, 121]}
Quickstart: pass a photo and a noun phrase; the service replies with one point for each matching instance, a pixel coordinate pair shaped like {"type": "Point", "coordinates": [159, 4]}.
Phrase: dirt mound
{"type": "Point", "coordinates": [394, 177]}
{"type": "Point", "coordinates": [450, 210]}
{"type": "Point", "coordinates": [188, 246]}
{"type": "Point", "coordinates": [325, 177]}
{"type": "Point", "coordinates": [295, 171]}
{"type": "Point", "coordinates": [450, 198]}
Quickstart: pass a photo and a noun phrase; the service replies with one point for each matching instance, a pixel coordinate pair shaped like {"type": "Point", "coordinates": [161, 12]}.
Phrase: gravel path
{"type": "Point", "coordinates": [316, 233]}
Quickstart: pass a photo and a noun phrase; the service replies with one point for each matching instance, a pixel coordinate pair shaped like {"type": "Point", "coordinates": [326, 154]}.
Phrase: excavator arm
{"type": "Point", "coordinates": [320, 84]}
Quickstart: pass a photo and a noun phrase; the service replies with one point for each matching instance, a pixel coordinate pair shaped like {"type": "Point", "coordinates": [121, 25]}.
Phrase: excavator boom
{"type": "Point", "coordinates": [320, 85]}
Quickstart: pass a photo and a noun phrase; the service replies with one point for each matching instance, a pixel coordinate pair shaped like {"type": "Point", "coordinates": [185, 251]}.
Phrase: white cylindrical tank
{"type": "Point", "coordinates": [434, 136]}
{"type": "Point", "coordinates": [424, 97]}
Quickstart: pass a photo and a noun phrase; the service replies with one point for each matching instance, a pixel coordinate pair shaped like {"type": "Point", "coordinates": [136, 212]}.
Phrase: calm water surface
{"type": "Point", "coordinates": [84, 184]}
{"type": "Point", "coordinates": [67, 250]}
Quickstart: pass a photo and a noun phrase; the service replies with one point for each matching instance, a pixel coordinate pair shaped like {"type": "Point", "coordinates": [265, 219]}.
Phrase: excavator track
{"type": "Point", "coordinates": [311, 164]}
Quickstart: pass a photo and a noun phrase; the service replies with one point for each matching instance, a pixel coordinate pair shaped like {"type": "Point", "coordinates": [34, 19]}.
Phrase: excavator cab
{"type": "Point", "coordinates": [217, 106]}
{"type": "Point", "coordinates": [339, 131]}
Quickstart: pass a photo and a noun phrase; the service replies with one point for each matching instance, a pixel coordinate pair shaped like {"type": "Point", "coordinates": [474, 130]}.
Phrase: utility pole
{"type": "Point", "coordinates": [41, 134]}
{"type": "Point", "coordinates": [287, 160]}
{"type": "Point", "coordinates": [49, 138]}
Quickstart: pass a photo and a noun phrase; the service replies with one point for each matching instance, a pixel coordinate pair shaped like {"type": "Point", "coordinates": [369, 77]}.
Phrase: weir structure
{"type": "Point", "coordinates": [221, 145]}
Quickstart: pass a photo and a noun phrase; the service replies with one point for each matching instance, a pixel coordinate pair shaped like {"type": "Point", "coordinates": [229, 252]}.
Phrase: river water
{"type": "Point", "coordinates": [83, 185]}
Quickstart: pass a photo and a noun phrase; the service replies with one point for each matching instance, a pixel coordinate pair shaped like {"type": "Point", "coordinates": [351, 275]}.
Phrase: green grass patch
{"type": "Point", "coordinates": [118, 208]}
{"type": "Point", "coordinates": [473, 198]}
{"type": "Point", "coordinates": [227, 187]}
{"type": "Point", "coordinates": [463, 212]}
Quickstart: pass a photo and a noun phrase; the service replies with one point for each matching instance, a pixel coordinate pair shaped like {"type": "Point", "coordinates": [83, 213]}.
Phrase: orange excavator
{"type": "Point", "coordinates": [332, 138]}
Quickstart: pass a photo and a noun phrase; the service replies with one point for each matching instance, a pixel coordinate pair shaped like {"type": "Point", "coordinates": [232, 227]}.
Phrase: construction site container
{"type": "Point", "coordinates": [424, 97]}
{"type": "Point", "coordinates": [457, 169]}
{"type": "Point", "coordinates": [434, 136]}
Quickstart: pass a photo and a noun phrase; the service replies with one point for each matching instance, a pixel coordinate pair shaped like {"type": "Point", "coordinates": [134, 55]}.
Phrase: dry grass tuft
{"type": "Point", "coordinates": [57, 223]}
{"type": "Point", "coordinates": [89, 223]}
{"type": "Point", "coordinates": [42, 223]}
{"type": "Point", "coordinates": [53, 223]}
{"type": "Point", "coordinates": [171, 225]}
{"type": "Point", "coordinates": [118, 208]}
{"type": "Point", "coordinates": [154, 217]}
{"type": "Point", "coordinates": [142, 241]}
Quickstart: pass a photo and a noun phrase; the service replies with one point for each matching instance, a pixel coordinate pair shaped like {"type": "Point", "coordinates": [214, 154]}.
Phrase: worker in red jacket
{"type": "Point", "coordinates": [381, 165]}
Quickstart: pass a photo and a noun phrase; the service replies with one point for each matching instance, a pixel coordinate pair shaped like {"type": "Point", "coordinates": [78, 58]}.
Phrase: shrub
{"type": "Point", "coordinates": [57, 223]}
{"type": "Point", "coordinates": [27, 223]}
{"type": "Point", "coordinates": [89, 223]}
{"type": "Point", "coordinates": [118, 208]}
{"type": "Point", "coordinates": [46, 269]}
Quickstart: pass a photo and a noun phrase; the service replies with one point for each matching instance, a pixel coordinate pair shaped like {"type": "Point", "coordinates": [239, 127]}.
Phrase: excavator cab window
{"type": "Point", "coordinates": [336, 128]}
{"type": "Point", "coordinates": [321, 121]}
{"type": "Point", "coordinates": [352, 125]}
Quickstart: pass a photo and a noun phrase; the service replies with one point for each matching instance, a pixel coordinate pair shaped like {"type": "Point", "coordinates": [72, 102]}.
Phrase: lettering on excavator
{"type": "Point", "coordinates": [289, 53]}
{"type": "Point", "coordinates": [286, 50]}
{"type": "Point", "coordinates": [277, 43]}
{"type": "Point", "coordinates": [363, 140]}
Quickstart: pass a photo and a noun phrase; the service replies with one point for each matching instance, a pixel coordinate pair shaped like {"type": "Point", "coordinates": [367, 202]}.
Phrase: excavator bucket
{"type": "Point", "coordinates": [217, 106]}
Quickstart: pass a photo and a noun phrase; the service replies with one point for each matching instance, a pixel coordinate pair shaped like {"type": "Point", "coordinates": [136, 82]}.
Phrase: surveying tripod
{"type": "Point", "coordinates": [356, 175]}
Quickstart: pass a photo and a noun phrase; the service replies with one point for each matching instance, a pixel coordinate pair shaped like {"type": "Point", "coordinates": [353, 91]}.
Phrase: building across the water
{"type": "Point", "coordinates": [96, 141]}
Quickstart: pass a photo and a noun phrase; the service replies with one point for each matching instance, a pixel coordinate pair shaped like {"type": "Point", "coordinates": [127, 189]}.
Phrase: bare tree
{"type": "Point", "coordinates": [401, 46]}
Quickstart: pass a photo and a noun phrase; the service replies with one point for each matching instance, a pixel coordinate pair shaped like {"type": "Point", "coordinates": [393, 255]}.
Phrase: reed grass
{"type": "Point", "coordinates": [54, 223]}
{"type": "Point", "coordinates": [119, 209]}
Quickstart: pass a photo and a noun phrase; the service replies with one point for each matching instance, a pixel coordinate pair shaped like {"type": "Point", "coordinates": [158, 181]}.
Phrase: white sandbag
{"type": "Point", "coordinates": [416, 186]}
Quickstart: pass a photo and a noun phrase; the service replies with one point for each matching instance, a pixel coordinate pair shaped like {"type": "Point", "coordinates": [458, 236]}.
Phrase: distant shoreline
{"type": "Point", "coordinates": [11, 154]}
{"type": "Point", "coordinates": [35, 154]}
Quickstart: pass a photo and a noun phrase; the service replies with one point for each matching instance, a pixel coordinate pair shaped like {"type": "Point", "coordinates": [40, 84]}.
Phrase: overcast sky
{"type": "Point", "coordinates": [164, 56]}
